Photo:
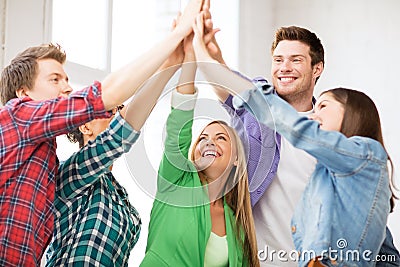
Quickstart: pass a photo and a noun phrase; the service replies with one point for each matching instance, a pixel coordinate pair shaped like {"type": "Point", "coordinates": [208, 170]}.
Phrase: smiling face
{"type": "Point", "coordinates": [328, 112]}
{"type": "Point", "coordinates": [51, 82]}
{"type": "Point", "coordinates": [213, 153]}
{"type": "Point", "coordinates": [293, 76]}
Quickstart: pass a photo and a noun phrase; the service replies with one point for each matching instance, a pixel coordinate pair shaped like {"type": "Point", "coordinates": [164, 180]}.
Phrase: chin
{"type": "Point", "coordinates": [203, 164]}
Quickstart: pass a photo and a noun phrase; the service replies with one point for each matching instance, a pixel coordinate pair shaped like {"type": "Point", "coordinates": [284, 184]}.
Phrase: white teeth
{"type": "Point", "coordinates": [287, 79]}
{"type": "Point", "coordinates": [210, 153]}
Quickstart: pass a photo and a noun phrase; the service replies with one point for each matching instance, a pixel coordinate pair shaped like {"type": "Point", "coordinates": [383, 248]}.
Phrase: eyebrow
{"type": "Point", "coordinates": [325, 100]}
{"type": "Point", "coordinates": [295, 55]}
{"type": "Point", "coordinates": [221, 133]}
{"type": "Point", "coordinates": [291, 56]}
{"type": "Point", "coordinates": [58, 74]}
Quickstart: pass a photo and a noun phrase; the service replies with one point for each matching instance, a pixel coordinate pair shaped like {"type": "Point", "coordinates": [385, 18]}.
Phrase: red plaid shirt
{"type": "Point", "coordinates": [28, 165]}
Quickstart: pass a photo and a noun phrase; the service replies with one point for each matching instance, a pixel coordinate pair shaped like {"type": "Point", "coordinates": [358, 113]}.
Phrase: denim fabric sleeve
{"type": "Point", "coordinates": [79, 171]}
{"type": "Point", "coordinates": [332, 149]}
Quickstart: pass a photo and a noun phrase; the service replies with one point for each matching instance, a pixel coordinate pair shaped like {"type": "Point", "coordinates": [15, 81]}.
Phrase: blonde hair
{"type": "Point", "coordinates": [238, 197]}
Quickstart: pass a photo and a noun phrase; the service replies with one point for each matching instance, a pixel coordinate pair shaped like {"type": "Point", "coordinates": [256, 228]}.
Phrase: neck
{"type": "Point", "coordinates": [302, 106]}
{"type": "Point", "coordinates": [217, 203]}
{"type": "Point", "coordinates": [301, 101]}
{"type": "Point", "coordinates": [216, 186]}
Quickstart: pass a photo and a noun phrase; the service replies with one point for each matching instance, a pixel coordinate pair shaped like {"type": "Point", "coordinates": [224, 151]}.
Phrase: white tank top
{"type": "Point", "coordinates": [216, 251]}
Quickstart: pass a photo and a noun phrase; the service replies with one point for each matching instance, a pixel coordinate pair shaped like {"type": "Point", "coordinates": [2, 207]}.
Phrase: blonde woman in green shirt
{"type": "Point", "coordinates": [202, 213]}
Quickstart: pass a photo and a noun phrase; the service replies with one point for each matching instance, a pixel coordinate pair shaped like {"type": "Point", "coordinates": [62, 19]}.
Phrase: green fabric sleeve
{"type": "Point", "coordinates": [175, 163]}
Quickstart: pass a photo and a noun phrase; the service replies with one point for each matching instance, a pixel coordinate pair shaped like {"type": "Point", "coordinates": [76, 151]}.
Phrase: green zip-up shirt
{"type": "Point", "coordinates": [180, 222]}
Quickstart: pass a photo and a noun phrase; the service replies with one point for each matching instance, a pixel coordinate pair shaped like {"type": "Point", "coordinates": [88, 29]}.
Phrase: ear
{"type": "Point", "coordinates": [86, 129]}
{"type": "Point", "coordinates": [22, 92]}
{"type": "Point", "coordinates": [318, 69]}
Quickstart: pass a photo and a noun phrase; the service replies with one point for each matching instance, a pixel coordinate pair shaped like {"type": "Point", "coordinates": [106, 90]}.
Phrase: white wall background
{"type": "Point", "coordinates": [361, 40]}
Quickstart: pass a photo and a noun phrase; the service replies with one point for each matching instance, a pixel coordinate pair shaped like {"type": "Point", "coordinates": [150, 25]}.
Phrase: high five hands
{"type": "Point", "coordinates": [201, 41]}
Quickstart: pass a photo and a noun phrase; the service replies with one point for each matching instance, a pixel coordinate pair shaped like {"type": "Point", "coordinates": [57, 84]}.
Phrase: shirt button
{"type": "Point", "coordinates": [293, 229]}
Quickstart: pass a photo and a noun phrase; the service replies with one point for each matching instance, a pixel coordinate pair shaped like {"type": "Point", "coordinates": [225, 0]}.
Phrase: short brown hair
{"type": "Point", "coordinates": [76, 136]}
{"type": "Point", "coordinates": [294, 33]}
{"type": "Point", "coordinates": [22, 71]}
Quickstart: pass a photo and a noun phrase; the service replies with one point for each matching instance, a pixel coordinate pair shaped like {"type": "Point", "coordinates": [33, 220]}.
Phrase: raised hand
{"type": "Point", "coordinates": [184, 27]}
{"type": "Point", "coordinates": [208, 24]}
{"type": "Point", "coordinates": [177, 56]}
{"type": "Point", "coordinates": [209, 34]}
{"type": "Point", "coordinates": [199, 44]}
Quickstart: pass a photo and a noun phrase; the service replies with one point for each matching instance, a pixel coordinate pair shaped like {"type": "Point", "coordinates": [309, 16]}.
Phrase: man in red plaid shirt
{"type": "Point", "coordinates": [28, 147]}
{"type": "Point", "coordinates": [38, 107]}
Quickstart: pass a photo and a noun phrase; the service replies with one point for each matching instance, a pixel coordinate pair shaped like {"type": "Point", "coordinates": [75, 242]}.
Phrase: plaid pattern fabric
{"type": "Point", "coordinates": [28, 164]}
{"type": "Point", "coordinates": [95, 224]}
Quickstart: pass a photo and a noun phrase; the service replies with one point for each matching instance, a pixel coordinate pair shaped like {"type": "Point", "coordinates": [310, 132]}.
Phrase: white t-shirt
{"type": "Point", "coordinates": [274, 211]}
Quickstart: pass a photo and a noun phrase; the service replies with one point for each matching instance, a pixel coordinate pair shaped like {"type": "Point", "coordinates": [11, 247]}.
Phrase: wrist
{"type": "Point", "coordinates": [189, 57]}
{"type": "Point", "coordinates": [176, 35]}
{"type": "Point", "coordinates": [170, 63]}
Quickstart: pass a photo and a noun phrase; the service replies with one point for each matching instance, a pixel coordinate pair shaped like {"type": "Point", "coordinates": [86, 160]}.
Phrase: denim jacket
{"type": "Point", "coordinates": [344, 208]}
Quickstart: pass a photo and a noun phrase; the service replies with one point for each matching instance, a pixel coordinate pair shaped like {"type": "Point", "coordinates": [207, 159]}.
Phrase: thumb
{"type": "Point", "coordinates": [209, 36]}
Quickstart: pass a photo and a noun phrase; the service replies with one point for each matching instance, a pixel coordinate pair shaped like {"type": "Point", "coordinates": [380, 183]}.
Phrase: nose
{"type": "Point", "coordinates": [315, 117]}
{"type": "Point", "coordinates": [286, 66]}
{"type": "Point", "coordinates": [210, 142]}
{"type": "Point", "coordinates": [66, 90]}
{"type": "Point", "coordinates": [312, 116]}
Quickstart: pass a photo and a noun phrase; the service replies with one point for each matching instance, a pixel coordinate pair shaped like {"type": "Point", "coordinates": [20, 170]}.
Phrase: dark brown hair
{"type": "Point", "coordinates": [76, 136]}
{"type": "Point", "coordinates": [22, 71]}
{"type": "Point", "coordinates": [294, 33]}
{"type": "Point", "coordinates": [361, 118]}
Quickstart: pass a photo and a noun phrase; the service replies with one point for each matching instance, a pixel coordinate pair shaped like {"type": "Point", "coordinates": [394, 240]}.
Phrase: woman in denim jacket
{"type": "Point", "coordinates": [341, 219]}
{"type": "Point", "coordinates": [343, 212]}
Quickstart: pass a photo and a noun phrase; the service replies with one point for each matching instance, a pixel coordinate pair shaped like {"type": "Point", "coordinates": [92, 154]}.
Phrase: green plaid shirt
{"type": "Point", "coordinates": [95, 225]}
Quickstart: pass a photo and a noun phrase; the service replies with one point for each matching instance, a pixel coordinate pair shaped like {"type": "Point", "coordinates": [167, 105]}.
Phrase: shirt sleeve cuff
{"type": "Point", "coordinates": [259, 89]}
{"type": "Point", "coordinates": [183, 101]}
{"type": "Point", "coordinates": [128, 134]}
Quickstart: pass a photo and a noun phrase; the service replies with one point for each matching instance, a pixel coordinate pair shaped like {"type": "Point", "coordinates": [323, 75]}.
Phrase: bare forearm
{"type": "Point", "coordinates": [187, 76]}
{"type": "Point", "coordinates": [140, 107]}
{"type": "Point", "coordinates": [225, 81]}
{"type": "Point", "coordinates": [122, 84]}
